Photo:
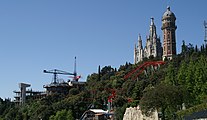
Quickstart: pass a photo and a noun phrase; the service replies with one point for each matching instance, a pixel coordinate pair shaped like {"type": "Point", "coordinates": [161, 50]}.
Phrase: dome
{"type": "Point", "coordinates": [168, 13]}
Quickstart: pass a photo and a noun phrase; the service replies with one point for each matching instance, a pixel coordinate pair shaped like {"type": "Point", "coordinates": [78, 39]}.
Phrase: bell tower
{"type": "Point", "coordinates": [169, 38]}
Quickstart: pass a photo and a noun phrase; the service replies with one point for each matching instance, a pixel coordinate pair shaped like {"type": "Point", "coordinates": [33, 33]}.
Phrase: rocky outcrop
{"type": "Point", "coordinates": [136, 114]}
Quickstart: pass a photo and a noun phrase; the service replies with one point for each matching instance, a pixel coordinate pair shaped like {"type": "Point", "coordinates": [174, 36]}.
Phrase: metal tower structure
{"type": "Point", "coordinates": [76, 77]}
{"type": "Point", "coordinates": [205, 37]}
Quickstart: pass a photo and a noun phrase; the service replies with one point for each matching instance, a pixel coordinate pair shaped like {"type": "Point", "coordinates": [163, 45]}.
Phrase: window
{"type": "Point", "coordinates": [168, 36]}
{"type": "Point", "coordinates": [168, 46]}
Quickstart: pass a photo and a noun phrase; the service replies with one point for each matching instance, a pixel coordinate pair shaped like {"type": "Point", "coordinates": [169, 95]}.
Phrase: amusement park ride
{"type": "Point", "coordinates": [134, 74]}
{"type": "Point", "coordinates": [141, 68]}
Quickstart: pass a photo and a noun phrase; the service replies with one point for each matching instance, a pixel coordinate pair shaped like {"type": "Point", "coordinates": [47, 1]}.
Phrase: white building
{"type": "Point", "coordinates": [153, 45]}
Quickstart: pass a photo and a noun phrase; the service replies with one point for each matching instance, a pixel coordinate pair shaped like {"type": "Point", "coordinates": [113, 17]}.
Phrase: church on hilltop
{"type": "Point", "coordinates": [153, 45]}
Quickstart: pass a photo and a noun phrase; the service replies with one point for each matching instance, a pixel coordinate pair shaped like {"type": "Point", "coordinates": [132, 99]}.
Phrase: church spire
{"type": "Point", "coordinates": [152, 21]}
{"type": "Point", "coordinates": [154, 35]}
{"type": "Point", "coordinates": [140, 42]}
{"type": "Point", "coordinates": [152, 28]}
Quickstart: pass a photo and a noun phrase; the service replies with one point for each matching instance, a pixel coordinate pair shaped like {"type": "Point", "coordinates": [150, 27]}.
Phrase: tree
{"type": "Point", "coordinates": [62, 115]}
{"type": "Point", "coordinates": [73, 91]}
{"type": "Point", "coordinates": [5, 106]}
{"type": "Point", "coordinates": [200, 76]}
{"type": "Point", "coordinates": [11, 114]}
{"type": "Point", "coordinates": [196, 48]}
{"type": "Point", "coordinates": [190, 80]}
{"type": "Point", "coordinates": [170, 77]}
{"type": "Point", "coordinates": [99, 73]}
{"type": "Point", "coordinates": [119, 112]}
{"type": "Point", "coordinates": [139, 88]}
{"type": "Point", "coordinates": [181, 76]}
{"type": "Point", "coordinates": [202, 49]}
{"type": "Point", "coordinates": [184, 48]}
{"type": "Point", "coordinates": [165, 98]}
{"type": "Point", "coordinates": [206, 49]}
{"type": "Point", "coordinates": [107, 72]}
{"type": "Point", "coordinates": [190, 48]}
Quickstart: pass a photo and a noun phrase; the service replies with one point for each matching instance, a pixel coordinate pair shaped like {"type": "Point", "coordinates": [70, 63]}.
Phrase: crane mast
{"type": "Point", "coordinates": [75, 72]}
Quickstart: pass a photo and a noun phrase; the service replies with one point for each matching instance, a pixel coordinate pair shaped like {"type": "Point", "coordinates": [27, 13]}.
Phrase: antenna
{"type": "Point", "coordinates": [205, 26]}
{"type": "Point", "coordinates": [75, 72]}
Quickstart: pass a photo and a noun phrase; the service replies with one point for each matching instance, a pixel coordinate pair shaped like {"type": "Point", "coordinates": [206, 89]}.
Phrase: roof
{"type": "Point", "coordinates": [168, 13]}
{"type": "Point", "coordinates": [98, 111]}
{"type": "Point", "coordinates": [196, 115]}
{"type": "Point", "coordinates": [56, 85]}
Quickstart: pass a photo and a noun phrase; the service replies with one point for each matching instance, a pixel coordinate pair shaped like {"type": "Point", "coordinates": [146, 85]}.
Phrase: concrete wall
{"type": "Point", "coordinates": [136, 114]}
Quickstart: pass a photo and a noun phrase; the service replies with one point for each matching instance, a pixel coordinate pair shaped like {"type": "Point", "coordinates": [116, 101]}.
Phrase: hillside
{"type": "Point", "coordinates": [179, 83]}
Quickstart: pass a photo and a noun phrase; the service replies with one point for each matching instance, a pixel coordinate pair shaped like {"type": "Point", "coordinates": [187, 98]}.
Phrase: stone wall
{"type": "Point", "coordinates": [136, 114]}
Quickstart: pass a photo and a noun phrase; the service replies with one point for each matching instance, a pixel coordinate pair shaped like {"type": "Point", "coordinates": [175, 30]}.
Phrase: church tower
{"type": "Point", "coordinates": [169, 39]}
{"type": "Point", "coordinates": [138, 53]}
{"type": "Point", "coordinates": [153, 45]}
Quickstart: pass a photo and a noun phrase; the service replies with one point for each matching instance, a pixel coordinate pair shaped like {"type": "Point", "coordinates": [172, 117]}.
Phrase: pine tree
{"type": "Point", "coordinates": [196, 48]}
{"type": "Point", "coordinates": [171, 75]}
{"type": "Point", "coordinates": [184, 48]}
{"type": "Point", "coordinates": [200, 89]}
{"type": "Point", "coordinates": [206, 49]}
{"type": "Point", "coordinates": [182, 73]}
{"type": "Point", "coordinates": [190, 81]}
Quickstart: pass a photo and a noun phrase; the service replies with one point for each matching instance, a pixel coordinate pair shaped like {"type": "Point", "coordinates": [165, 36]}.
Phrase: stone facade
{"type": "Point", "coordinates": [153, 45]}
{"type": "Point", "coordinates": [136, 114]}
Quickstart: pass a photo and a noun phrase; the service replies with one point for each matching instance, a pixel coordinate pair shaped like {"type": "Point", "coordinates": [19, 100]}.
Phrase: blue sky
{"type": "Point", "coordinates": [47, 34]}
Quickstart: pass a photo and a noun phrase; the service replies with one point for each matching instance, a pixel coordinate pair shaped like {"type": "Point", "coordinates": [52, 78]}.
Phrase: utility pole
{"type": "Point", "coordinates": [205, 26]}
